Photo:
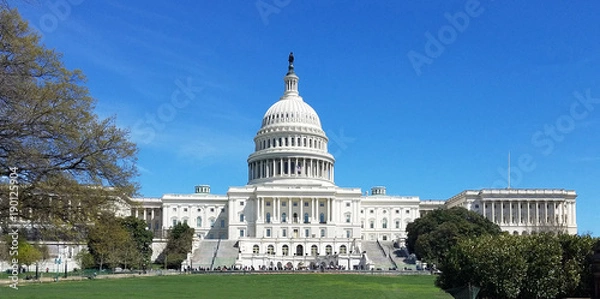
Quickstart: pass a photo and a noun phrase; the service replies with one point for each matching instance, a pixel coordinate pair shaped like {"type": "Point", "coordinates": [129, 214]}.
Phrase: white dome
{"type": "Point", "coordinates": [291, 110]}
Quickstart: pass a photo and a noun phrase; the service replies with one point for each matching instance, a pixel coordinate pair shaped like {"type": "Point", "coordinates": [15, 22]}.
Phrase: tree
{"type": "Point", "coordinates": [141, 251]}
{"type": "Point", "coordinates": [179, 244]}
{"type": "Point", "coordinates": [85, 259]}
{"type": "Point", "coordinates": [431, 236]}
{"type": "Point", "coordinates": [107, 240]}
{"type": "Point", "coordinates": [71, 165]}
{"type": "Point", "coordinates": [26, 253]}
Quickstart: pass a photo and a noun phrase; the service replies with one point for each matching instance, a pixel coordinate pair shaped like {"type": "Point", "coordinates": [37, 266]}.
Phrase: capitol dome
{"type": "Point", "coordinates": [290, 143]}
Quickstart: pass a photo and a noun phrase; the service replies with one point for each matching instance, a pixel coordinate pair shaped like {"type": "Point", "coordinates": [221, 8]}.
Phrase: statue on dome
{"type": "Point", "coordinates": [291, 58]}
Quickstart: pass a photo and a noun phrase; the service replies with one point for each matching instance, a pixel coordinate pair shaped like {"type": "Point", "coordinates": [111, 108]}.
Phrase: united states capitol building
{"type": "Point", "coordinates": [291, 214]}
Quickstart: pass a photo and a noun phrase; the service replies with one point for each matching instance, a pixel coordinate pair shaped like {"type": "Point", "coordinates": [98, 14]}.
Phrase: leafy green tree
{"type": "Point", "coordinates": [577, 254]}
{"type": "Point", "coordinates": [179, 244]}
{"type": "Point", "coordinates": [85, 259]}
{"type": "Point", "coordinates": [71, 164]}
{"type": "Point", "coordinates": [107, 240]}
{"type": "Point", "coordinates": [431, 236]}
{"type": "Point", "coordinates": [140, 253]}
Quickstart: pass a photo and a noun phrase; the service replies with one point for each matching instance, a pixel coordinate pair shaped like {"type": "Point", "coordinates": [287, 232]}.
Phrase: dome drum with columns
{"type": "Point", "coordinates": [291, 143]}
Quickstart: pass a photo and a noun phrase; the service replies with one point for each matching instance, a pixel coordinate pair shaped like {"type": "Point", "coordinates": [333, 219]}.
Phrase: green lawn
{"type": "Point", "coordinates": [311, 286]}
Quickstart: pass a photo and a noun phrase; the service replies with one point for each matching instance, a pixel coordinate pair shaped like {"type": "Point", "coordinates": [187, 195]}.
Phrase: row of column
{"type": "Point", "coordinates": [145, 212]}
{"type": "Point", "coordinates": [544, 212]}
{"type": "Point", "coordinates": [292, 141]}
{"type": "Point", "coordinates": [278, 209]}
{"type": "Point", "coordinates": [291, 167]}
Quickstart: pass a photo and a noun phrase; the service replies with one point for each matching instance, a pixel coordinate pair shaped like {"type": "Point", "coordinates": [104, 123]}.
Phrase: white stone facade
{"type": "Point", "coordinates": [291, 209]}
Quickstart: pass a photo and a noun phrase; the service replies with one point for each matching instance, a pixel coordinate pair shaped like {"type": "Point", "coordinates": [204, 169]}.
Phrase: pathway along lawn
{"type": "Point", "coordinates": [312, 286]}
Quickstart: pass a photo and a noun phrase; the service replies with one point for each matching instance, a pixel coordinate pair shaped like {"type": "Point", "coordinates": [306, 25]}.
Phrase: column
{"type": "Point", "coordinates": [483, 203]}
{"type": "Point", "coordinates": [137, 213]}
{"type": "Point", "coordinates": [537, 213]}
{"type": "Point", "coordinates": [493, 212]}
{"type": "Point", "coordinates": [528, 215]}
{"type": "Point", "coordinates": [145, 215]}
{"type": "Point", "coordinates": [520, 212]}
{"type": "Point", "coordinates": [502, 212]}
{"type": "Point", "coordinates": [510, 212]}
{"type": "Point", "coordinates": [301, 216]}
{"type": "Point", "coordinates": [332, 172]}
{"type": "Point", "coordinates": [315, 217]}
{"type": "Point", "coordinates": [290, 216]}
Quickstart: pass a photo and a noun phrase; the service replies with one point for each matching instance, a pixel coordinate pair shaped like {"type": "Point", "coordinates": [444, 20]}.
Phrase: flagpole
{"type": "Point", "coordinates": [509, 170]}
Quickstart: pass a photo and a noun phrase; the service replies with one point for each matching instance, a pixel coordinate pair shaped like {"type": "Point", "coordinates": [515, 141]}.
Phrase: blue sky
{"type": "Point", "coordinates": [426, 98]}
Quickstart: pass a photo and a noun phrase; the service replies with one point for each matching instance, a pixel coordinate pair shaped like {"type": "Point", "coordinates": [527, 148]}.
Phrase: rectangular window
{"type": "Point", "coordinates": [407, 211]}
{"type": "Point", "coordinates": [372, 211]}
{"type": "Point", "coordinates": [307, 233]}
{"type": "Point", "coordinates": [222, 223]}
{"type": "Point", "coordinates": [268, 232]}
{"type": "Point", "coordinates": [347, 204]}
{"type": "Point", "coordinates": [241, 232]}
{"type": "Point", "coordinates": [268, 203]}
{"type": "Point", "coordinates": [295, 203]}
{"type": "Point", "coordinates": [241, 203]}
{"type": "Point", "coordinates": [321, 204]}
{"type": "Point", "coordinates": [185, 209]}
{"type": "Point", "coordinates": [306, 204]}
{"type": "Point", "coordinates": [322, 233]}
{"type": "Point", "coordinates": [397, 211]}
{"type": "Point", "coordinates": [174, 222]}
{"type": "Point", "coordinates": [284, 232]}
{"type": "Point", "coordinates": [348, 234]}
{"type": "Point", "coordinates": [283, 203]}
{"type": "Point", "coordinates": [397, 224]}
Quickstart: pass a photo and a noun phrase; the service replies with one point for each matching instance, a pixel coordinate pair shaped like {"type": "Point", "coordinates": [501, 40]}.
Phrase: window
{"type": "Point", "coordinates": [198, 221]}
{"type": "Point", "coordinates": [174, 209]}
{"type": "Point", "coordinates": [305, 217]}
{"type": "Point", "coordinates": [174, 222]}
{"type": "Point", "coordinates": [397, 224]}
{"type": "Point", "coordinates": [212, 209]}
{"type": "Point", "coordinates": [307, 233]}
{"type": "Point", "coordinates": [407, 211]}
{"type": "Point", "coordinates": [321, 203]}
{"type": "Point", "coordinates": [348, 234]}
{"type": "Point", "coordinates": [328, 249]}
{"type": "Point", "coordinates": [348, 216]}
{"type": "Point", "coordinates": [241, 217]}
{"type": "Point", "coordinates": [322, 218]}
{"type": "Point", "coordinates": [223, 210]}
{"type": "Point", "coordinates": [362, 211]}
{"type": "Point", "coordinates": [313, 250]}
{"type": "Point", "coordinates": [241, 203]}
{"type": "Point", "coordinates": [371, 224]}
{"type": "Point", "coordinates": [285, 249]}
{"type": "Point", "coordinates": [222, 223]}
{"type": "Point", "coordinates": [283, 217]}
{"type": "Point", "coordinates": [255, 249]}
{"type": "Point", "coordinates": [270, 250]}
{"type": "Point", "coordinates": [284, 232]}
{"type": "Point", "coordinates": [397, 211]}
{"type": "Point", "coordinates": [268, 203]}
{"type": "Point", "coordinates": [306, 204]}
{"type": "Point", "coordinates": [185, 209]}
{"type": "Point", "coordinates": [241, 233]}
{"type": "Point", "coordinates": [295, 217]}
{"type": "Point", "coordinates": [347, 204]}
{"type": "Point", "coordinates": [268, 232]}
{"type": "Point", "coordinates": [295, 203]}
{"type": "Point", "coordinates": [362, 224]}
{"type": "Point", "coordinates": [322, 233]}
{"type": "Point", "coordinates": [384, 211]}
{"type": "Point", "coordinates": [343, 249]}
{"type": "Point", "coordinates": [212, 222]}
{"type": "Point", "coordinates": [371, 211]}
{"type": "Point", "coordinates": [185, 221]}
{"type": "Point", "coordinates": [283, 204]}
{"type": "Point", "coordinates": [199, 210]}
{"type": "Point", "coordinates": [268, 217]}
{"type": "Point", "coordinates": [384, 223]}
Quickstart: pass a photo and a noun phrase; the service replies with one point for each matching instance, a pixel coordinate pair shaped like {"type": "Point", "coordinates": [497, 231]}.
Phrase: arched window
{"type": "Point", "coordinates": [295, 217]}
{"type": "Point", "coordinates": [397, 223]}
{"type": "Point", "coordinates": [384, 223]}
{"type": "Point", "coordinates": [322, 217]}
{"type": "Point", "coordinates": [348, 217]}
{"type": "Point", "coordinates": [199, 221]}
{"type": "Point", "coordinates": [268, 217]}
{"type": "Point", "coordinates": [305, 217]}
{"type": "Point", "coordinates": [313, 250]}
{"type": "Point", "coordinates": [328, 249]}
{"type": "Point", "coordinates": [371, 224]}
{"type": "Point", "coordinates": [255, 249]}
{"type": "Point", "coordinates": [241, 217]}
{"type": "Point", "coordinates": [212, 222]}
{"type": "Point", "coordinates": [343, 249]}
{"type": "Point", "coordinates": [283, 217]}
{"type": "Point", "coordinates": [284, 250]}
{"type": "Point", "coordinates": [270, 250]}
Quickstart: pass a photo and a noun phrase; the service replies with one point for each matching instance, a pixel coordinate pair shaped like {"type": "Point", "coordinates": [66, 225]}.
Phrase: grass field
{"type": "Point", "coordinates": [286, 286]}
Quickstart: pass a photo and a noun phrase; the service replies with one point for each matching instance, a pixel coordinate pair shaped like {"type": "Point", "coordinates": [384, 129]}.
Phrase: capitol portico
{"type": "Point", "coordinates": [291, 214]}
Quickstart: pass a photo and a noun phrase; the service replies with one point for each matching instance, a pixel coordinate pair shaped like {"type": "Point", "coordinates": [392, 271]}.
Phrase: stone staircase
{"type": "Point", "coordinates": [376, 255]}
{"type": "Point", "coordinates": [202, 257]}
{"type": "Point", "coordinates": [227, 253]}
